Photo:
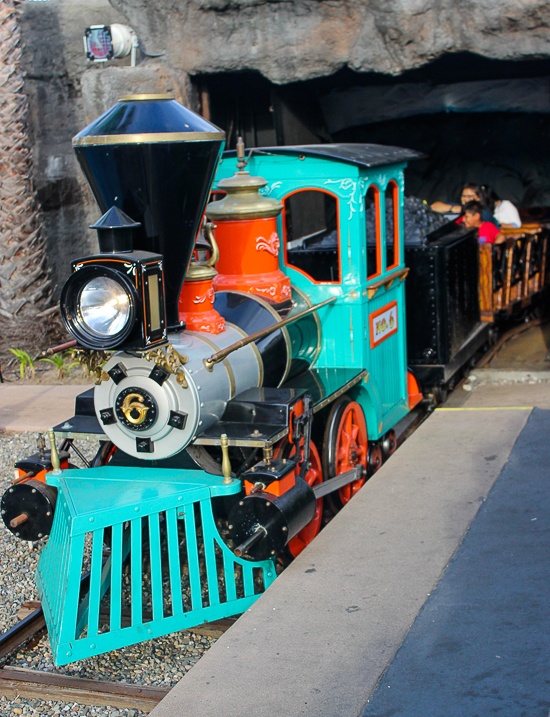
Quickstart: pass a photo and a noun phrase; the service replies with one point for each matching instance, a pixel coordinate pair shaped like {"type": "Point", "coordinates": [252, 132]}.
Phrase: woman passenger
{"type": "Point", "coordinates": [470, 193]}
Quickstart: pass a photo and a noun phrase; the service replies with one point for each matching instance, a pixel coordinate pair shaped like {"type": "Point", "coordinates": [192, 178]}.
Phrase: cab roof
{"type": "Point", "coordinates": [362, 155]}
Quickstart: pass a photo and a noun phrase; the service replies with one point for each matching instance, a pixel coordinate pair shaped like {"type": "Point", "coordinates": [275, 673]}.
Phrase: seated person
{"type": "Point", "coordinates": [470, 193]}
{"type": "Point", "coordinates": [488, 232]}
{"type": "Point", "coordinates": [504, 211]}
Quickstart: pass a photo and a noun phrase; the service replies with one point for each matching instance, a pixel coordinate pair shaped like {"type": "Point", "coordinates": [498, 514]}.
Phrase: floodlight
{"type": "Point", "coordinates": [106, 42]}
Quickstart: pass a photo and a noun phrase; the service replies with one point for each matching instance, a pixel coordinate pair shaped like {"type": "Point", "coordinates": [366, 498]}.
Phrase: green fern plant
{"type": "Point", "coordinates": [26, 363]}
{"type": "Point", "coordinates": [59, 361]}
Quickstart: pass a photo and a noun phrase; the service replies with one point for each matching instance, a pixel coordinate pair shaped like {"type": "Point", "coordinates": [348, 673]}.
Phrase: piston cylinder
{"type": "Point", "coordinates": [275, 520]}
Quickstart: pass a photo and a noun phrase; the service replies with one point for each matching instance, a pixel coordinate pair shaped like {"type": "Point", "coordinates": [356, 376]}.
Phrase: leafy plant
{"type": "Point", "coordinates": [26, 363]}
{"type": "Point", "coordinates": [59, 361]}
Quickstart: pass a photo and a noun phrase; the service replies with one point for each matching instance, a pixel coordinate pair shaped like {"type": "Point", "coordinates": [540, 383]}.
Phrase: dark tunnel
{"type": "Point", "coordinates": [476, 120]}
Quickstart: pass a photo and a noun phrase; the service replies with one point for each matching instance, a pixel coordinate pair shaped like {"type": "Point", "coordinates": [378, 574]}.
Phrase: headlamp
{"type": "Point", "coordinates": [98, 305]}
{"type": "Point", "coordinates": [115, 300]}
{"type": "Point", "coordinates": [105, 306]}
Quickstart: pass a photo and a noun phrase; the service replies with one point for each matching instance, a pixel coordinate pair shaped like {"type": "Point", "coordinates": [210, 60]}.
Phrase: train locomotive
{"type": "Point", "coordinates": [242, 385]}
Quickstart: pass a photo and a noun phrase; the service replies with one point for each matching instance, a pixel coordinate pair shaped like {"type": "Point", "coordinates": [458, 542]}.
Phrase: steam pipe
{"type": "Point", "coordinates": [224, 353]}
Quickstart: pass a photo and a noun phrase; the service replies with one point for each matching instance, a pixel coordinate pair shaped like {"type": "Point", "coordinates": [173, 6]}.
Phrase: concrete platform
{"type": "Point", "coordinates": [36, 408]}
{"type": "Point", "coordinates": [510, 395]}
{"type": "Point", "coordinates": [319, 641]}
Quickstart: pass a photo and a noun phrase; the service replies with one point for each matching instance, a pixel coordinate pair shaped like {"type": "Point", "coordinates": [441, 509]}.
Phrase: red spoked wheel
{"type": "Point", "coordinates": [345, 446]}
{"type": "Point", "coordinates": [314, 476]}
{"type": "Point", "coordinates": [376, 458]}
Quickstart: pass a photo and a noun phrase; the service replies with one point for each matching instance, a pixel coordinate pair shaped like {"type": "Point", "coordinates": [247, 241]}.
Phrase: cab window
{"type": "Point", "coordinates": [374, 237]}
{"type": "Point", "coordinates": [392, 226]}
{"type": "Point", "coordinates": [310, 224]}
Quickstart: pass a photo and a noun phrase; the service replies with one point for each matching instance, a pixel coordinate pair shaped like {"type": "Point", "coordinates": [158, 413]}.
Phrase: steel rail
{"type": "Point", "coordinates": [32, 684]}
{"type": "Point", "coordinates": [16, 636]}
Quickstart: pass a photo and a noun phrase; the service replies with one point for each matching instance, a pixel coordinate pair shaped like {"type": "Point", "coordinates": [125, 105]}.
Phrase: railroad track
{"type": "Point", "coordinates": [487, 357]}
{"type": "Point", "coordinates": [35, 684]}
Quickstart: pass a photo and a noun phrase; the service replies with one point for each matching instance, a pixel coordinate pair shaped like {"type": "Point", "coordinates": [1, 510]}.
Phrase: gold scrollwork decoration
{"type": "Point", "coordinates": [93, 362]}
{"type": "Point", "coordinates": [168, 358]}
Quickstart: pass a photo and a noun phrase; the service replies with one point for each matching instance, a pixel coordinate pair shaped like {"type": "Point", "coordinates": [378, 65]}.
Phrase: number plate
{"type": "Point", "coordinates": [383, 323]}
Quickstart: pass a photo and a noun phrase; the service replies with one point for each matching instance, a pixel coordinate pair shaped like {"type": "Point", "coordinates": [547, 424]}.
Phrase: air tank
{"type": "Point", "coordinates": [155, 159]}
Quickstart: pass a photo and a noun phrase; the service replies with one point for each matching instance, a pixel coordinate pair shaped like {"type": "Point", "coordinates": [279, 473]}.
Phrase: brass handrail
{"type": "Point", "coordinates": [224, 353]}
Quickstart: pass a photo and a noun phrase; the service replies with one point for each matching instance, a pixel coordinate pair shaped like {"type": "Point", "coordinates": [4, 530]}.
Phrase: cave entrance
{"type": "Point", "coordinates": [475, 119]}
{"type": "Point", "coordinates": [263, 114]}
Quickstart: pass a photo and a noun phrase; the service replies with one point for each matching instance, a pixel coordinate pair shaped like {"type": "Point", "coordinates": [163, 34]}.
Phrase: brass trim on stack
{"type": "Point", "coordinates": [147, 138]}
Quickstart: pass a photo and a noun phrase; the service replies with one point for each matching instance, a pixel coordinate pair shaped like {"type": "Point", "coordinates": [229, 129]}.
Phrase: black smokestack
{"type": "Point", "coordinates": [154, 159]}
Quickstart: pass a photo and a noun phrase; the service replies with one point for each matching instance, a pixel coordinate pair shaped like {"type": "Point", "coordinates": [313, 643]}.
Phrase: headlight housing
{"type": "Point", "coordinates": [115, 301]}
{"type": "Point", "coordinates": [98, 306]}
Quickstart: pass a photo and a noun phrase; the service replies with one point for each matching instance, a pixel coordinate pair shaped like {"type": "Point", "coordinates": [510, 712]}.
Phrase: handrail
{"type": "Point", "coordinates": [387, 281]}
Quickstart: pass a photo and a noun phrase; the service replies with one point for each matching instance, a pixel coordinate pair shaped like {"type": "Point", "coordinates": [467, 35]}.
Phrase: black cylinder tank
{"type": "Point", "coordinates": [155, 160]}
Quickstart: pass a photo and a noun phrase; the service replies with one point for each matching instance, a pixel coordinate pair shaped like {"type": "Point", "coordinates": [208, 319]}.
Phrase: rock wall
{"type": "Point", "coordinates": [54, 61]}
{"type": "Point", "coordinates": [292, 40]}
{"type": "Point", "coordinates": [66, 93]}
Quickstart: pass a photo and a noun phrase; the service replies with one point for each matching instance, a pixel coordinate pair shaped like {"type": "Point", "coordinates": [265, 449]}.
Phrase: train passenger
{"type": "Point", "coordinates": [488, 232]}
{"type": "Point", "coordinates": [504, 211]}
{"type": "Point", "coordinates": [470, 193]}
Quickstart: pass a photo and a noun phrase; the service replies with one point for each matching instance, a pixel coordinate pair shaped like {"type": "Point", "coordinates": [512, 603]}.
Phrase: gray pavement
{"type": "Point", "coordinates": [323, 636]}
{"type": "Point", "coordinates": [319, 640]}
{"type": "Point", "coordinates": [480, 645]}
{"type": "Point", "coordinates": [35, 407]}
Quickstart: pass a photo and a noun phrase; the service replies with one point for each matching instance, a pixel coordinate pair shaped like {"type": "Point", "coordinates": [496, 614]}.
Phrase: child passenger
{"type": "Point", "coordinates": [488, 232]}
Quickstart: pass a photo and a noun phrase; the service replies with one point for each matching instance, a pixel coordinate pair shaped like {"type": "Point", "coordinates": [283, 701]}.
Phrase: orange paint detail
{"type": "Point", "coordinates": [278, 487]}
{"type": "Point", "coordinates": [383, 323]}
{"type": "Point", "coordinates": [377, 214]}
{"type": "Point", "coordinates": [295, 411]}
{"type": "Point", "coordinates": [285, 238]}
{"type": "Point", "coordinates": [395, 192]}
{"type": "Point", "coordinates": [42, 475]}
{"type": "Point", "coordinates": [249, 259]}
{"type": "Point", "coordinates": [414, 392]}
{"type": "Point", "coordinates": [196, 307]}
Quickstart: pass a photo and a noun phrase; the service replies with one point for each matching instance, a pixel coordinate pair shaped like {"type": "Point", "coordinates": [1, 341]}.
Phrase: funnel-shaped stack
{"type": "Point", "coordinates": [154, 159]}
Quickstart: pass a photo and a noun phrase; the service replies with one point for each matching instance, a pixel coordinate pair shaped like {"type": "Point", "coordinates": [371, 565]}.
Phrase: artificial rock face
{"type": "Point", "coordinates": [292, 40]}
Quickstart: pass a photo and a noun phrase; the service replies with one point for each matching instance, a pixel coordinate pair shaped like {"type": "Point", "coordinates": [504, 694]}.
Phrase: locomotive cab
{"type": "Point", "coordinates": [340, 240]}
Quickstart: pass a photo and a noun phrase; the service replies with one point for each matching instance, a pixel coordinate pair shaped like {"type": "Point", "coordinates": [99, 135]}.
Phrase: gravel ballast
{"type": "Point", "coordinates": [160, 662]}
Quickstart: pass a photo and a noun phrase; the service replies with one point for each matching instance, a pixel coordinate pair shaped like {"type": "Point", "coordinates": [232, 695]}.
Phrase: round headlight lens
{"type": "Point", "coordinates": [104, 306]}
